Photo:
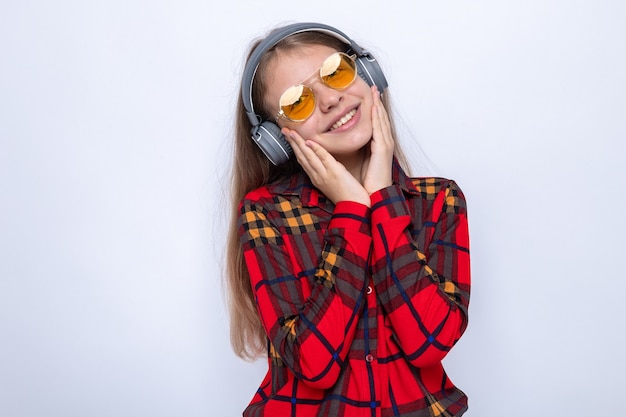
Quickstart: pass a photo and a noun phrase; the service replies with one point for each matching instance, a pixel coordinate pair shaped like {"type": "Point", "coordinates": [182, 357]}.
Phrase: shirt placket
{"type": "Point", "coordinates": [371, 353]}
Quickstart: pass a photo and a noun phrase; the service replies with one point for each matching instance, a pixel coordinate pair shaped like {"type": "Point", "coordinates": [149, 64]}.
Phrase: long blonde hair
{"type": "Point", "coordinates": [250, 170]}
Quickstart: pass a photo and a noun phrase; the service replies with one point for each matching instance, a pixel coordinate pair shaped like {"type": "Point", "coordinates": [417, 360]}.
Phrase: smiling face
{"type": "Point", "coordinates": [341, 121]}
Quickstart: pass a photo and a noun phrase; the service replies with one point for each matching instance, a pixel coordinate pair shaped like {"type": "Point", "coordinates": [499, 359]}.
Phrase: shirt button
{"type": "Point", "coordinates": [369, 358]}
{"type": "Point", "coordinates": [369, 290]}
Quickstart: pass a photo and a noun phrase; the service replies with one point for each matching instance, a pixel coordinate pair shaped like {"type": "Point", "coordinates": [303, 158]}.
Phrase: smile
{"type": "Point", "coordinates": [343, 120]}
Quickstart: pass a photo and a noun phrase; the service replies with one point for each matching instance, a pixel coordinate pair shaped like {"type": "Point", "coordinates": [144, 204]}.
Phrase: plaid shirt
{"type": "Point", "coordinates": [360, 305]}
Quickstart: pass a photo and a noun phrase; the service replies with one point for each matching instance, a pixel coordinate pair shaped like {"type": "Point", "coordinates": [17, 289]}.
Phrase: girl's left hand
{"type": "Point", "coordinates": [377, 166]}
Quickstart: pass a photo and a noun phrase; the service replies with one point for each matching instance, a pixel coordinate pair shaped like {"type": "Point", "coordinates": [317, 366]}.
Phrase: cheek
{"type": "Point", "coordinates": [306, 129]}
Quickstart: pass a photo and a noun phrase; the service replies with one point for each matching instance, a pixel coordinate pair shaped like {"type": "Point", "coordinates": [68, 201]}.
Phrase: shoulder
{"type": "Point", "coordinates": [440, 189]}
{"type": "Point", "coordinates": [271, 200]}
{"type": "Point", "coordinates": [268, 192]}
{"type": "Point", "coordinates": [257, 195]}
{"type": "Point", "coordinates": [429, 187]}
{"type": "Point", "coordinates": [426, 188]}
{"type": "Point", "coordinates": [285, 187]}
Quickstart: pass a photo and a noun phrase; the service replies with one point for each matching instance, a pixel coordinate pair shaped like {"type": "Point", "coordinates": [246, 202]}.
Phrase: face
{"type": "Point", "coordinates": [341, 121]}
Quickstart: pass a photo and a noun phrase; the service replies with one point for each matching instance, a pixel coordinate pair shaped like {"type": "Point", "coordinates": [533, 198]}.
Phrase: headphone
{"type": "Point", "coordinates": [266, 134]}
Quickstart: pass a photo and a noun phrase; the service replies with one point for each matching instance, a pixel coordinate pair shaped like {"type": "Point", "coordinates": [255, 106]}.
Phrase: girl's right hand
{"type": "Point", "coordinates": [325, 172]}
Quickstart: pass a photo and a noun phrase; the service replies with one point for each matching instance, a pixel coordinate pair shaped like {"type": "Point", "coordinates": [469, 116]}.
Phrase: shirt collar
{"type": "Point", "coordinates": [300, 185]}
{"type": "Point", "coordinates": [399, 177]}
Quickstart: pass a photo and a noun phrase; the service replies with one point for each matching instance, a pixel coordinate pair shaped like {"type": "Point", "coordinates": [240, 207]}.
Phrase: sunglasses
{"type": "Point", "coordinates": [297, 103]}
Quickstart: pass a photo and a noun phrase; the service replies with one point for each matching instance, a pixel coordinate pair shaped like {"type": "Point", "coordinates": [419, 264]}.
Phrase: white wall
{"type": "Point", "coordinates": [115, 121]}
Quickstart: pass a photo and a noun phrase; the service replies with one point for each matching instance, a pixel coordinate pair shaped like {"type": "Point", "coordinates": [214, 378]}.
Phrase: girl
{"type": "Point", "coordinates": [350, 276]}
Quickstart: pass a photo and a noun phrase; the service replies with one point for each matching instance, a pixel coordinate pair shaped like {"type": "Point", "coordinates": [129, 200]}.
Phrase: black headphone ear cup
{"type": "Point", "coordinates": [272, 142]}
{"type": "Point", "coordinates": [368, 68]}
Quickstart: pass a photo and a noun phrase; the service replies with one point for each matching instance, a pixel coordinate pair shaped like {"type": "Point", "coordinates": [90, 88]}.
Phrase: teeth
{"type": "Point", "coordinates": [343, 120]}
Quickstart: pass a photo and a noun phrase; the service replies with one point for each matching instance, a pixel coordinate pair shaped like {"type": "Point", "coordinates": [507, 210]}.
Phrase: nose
{"type": "Point", "coordinates": [327, 98]}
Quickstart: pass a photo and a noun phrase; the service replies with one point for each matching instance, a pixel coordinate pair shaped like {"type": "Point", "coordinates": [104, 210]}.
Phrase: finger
{"type": "Point", "coordinates": [380, 111]}
{"type": "Point", "coordinates": [297, 144]}
{"type": "Point", "coordinates": [381, 124]}
{"type": "Point", "coordinates": [377, 118]}
{"type": "Point", "coordinates": [322, 154]}
{"type": "Point", "coordinates": [305, 154]}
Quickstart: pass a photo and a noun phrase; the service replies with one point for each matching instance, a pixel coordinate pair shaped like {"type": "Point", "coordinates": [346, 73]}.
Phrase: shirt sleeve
{"type": "Point", "coordinates": [309, 315]}
{"type": "Point", "coordinates": [421, 267]}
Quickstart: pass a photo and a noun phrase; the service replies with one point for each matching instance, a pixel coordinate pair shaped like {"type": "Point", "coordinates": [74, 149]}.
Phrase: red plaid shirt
{"type": "Point", "coordinates": [359, 305]}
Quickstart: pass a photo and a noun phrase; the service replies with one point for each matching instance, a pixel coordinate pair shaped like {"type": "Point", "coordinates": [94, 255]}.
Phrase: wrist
{"type": "Point", "coordinates": [361, 198]}
{"type": "Point", "coordinates": [377, 187]}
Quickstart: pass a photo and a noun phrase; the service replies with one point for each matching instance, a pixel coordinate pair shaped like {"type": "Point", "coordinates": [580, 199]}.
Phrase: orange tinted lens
{"type": "Point", "coordinates": [338, 71]}
{"type": "Point", "coordinates": [297, 103]}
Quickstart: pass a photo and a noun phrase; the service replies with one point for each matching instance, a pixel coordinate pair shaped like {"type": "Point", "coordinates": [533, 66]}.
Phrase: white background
{"type": "Point", "coordinates": [115, 128]}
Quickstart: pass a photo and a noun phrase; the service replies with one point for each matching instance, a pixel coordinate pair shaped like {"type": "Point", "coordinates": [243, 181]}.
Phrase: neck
{"type": "Point", "coordinates": [354, 163]}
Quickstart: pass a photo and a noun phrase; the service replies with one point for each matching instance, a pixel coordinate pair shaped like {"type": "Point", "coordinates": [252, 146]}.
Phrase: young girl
{"type": "Point", "coordinates": [353, 278]}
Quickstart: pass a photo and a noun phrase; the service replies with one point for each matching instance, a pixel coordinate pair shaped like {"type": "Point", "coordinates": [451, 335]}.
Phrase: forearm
{"type": "Point", "coordinates": [424, 292]}
{"type": "Point", "coordinates": [310, 314]}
